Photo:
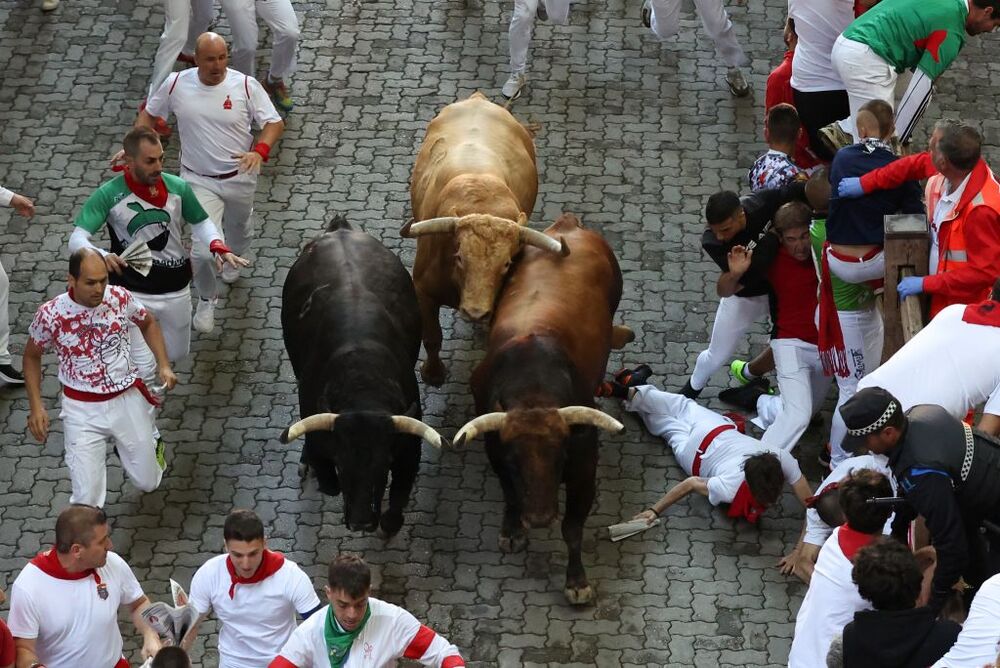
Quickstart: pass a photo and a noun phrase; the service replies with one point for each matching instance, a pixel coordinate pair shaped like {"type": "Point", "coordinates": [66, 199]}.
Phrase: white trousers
{"type": "Point", "coordinates": [229, 201]}
{"type": "Point", "coordinates": [676, 419]}
{"type": "Point", "coordinates": [803, 387]}
{"type": "Point", "coordinates": [866, 76]}
{"type": "Point", "coordinates": [665, 23]}
{"type": "Point", "coordinates": [863, 336]}
{"type": "Point", "coordinates": [4, 317]}
{"type": "Point", "coordinates": [733, 320]}
{"type": "Point", "coordinates": [173, 313]}
{"type": "Point", "coordinates": [858, 272]}
{"type": "Point", "coordinates": [126, 419]}
{"type": "Point", "coordinates": [183, 21]}
{"type": "Point", "coordinates": [522, 24]}
{"type": "Point", "coordinates": [280, 18]}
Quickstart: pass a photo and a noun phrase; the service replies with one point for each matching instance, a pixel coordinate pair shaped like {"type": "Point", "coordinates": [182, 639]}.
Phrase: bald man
{"type": "Point", "coordinates": [216, 108]}
{"type": "Point", "coordinates": [851, 330]}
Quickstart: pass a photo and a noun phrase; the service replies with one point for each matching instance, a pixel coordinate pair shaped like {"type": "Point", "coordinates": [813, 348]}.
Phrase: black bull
{"type": "Point", "coordinates": [351, 326]}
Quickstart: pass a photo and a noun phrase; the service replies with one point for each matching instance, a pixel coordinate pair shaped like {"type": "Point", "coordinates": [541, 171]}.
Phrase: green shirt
{"type": "Point", "coordinates": [922, 34]}
{"type": "Point", "coordinates": [130, 218]}
{"type": "Point", "coordinates": [846, 296]}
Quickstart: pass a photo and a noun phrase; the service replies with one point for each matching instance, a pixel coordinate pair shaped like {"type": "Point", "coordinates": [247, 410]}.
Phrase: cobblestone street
{"type": "Point", "coordinates": [632, 136]}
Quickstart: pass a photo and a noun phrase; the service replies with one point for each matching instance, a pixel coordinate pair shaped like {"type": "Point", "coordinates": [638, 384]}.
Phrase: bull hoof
{"type": "Point", "coordinates": [390, 524]}
{"type": "Point", "coordinates": [513, 543]}
{"type": "Point", "coordinates": [433, 374]}
{"type": "Point", "coordinates": [579, 595]}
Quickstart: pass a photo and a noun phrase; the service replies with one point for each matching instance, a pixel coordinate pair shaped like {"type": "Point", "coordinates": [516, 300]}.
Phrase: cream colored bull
{"type": "Point", "coordinates": [473, 187]}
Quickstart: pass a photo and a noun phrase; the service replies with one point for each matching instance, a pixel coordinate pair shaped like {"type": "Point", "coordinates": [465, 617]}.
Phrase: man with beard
{"type": "Point", "coordinates": [145, 204]}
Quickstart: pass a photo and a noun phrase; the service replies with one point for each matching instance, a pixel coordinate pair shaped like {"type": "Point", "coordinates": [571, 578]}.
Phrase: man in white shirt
{"type": "Point", "coordinates": [358, 630]}
{"type": "Point", "coordinates": [819, 94]}
{"type": "Point", "coordinates": [978, 643]}
{"type": "Point", "coordinates": [950, 363]}
{"type": "Point", "coordinates": [255, 594]}
{"type": "Point", "coordinates": [8, 374]}
{"type": "Point", "coordinates": [725, 465]}
{"type": "Point", "coordinates": [833, 597]}
{"type": "Point", "coordinates": [103, 395]}
{"type": "Point", "coordinates": [216, 108]}
{"type": "Point", "coordinates": [64, 604]}
{"type": "Point", "coordinates": [823, 513]}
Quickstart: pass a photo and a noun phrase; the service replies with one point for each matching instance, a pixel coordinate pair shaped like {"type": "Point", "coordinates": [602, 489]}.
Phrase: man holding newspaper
{"type": "Point", "coordinates": [64, 604]}
{"type": "Point", "coordinates": [144, 209]}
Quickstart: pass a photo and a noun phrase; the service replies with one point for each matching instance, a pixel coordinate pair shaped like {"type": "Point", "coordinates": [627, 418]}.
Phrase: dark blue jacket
{"type": "Point", "coordinates": [856, 222]}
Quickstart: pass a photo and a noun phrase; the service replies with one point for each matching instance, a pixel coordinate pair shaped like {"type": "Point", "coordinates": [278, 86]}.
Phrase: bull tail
{"type": "Point", "coordinates": [339, 222]}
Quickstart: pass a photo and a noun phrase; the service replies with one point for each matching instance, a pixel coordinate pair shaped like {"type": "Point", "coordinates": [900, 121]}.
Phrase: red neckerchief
{"type": "Point", "coordinates": [984, 313]}
{"type": "Point", "coordinates": [269, 565]}
{"type": "Point", "coordinates": [48, 563]}
{"type": "Point", "coordinates": [155, 194]}
{"type": "Point", "coordinates": [745, 506]}
{"type": "Point", "coordinates": [850, 541]}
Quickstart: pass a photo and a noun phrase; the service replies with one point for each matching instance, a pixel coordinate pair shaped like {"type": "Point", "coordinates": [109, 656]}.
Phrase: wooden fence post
{"type": "Point", "coordinates": [907, 247]}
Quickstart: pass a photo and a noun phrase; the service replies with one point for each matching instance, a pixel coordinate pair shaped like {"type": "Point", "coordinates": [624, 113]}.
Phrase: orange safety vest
{"type": "Point", "coordinates": [981, 190]}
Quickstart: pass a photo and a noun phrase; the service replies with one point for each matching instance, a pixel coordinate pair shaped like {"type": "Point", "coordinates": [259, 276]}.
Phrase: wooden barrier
{"type": "Point", "coordinates": [907, 247]}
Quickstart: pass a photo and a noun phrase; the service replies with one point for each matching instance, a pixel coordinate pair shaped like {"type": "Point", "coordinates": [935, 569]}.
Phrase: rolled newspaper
{"type": "Point", "coordinates": [622, 531]}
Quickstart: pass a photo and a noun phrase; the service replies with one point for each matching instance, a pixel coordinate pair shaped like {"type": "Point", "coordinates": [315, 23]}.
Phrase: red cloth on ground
{"type": "Point", "coordinates": [795, 284]}
{"type": "Point", "coordinates": [778, 90]}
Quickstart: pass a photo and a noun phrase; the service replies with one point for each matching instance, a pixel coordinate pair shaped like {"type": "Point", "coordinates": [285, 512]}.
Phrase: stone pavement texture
{"type": "Point", "coordinates": [633, 135]}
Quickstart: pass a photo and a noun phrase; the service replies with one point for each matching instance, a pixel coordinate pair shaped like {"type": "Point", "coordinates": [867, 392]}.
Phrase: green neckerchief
{"type": "Point", "coordinates": [338, 641]}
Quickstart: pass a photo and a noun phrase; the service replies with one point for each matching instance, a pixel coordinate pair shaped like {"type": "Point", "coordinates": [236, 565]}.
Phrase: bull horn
{"type": "Point", "coordinates": [479, 425]}
{"type": "Point", "coordinates": [544, 241]}
{"type": "Point", "coordinates": [430, 226]}
{"type": "Point", "coordinates": [318, 422]}
{"type": "Point", "coordinates": [592, 417]}
{"type": "Point", "coordinates": [407, 425]}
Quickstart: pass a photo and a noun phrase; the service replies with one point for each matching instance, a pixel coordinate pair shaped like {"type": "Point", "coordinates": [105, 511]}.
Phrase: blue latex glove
{"type": "Point", "coordinates": [850, 187]}
{"type": "Point", "coordinates": [909, 286]}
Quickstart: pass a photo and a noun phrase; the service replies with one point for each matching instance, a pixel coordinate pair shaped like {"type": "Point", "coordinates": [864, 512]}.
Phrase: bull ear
{"type": "Point", "coordinates": [522, 219]}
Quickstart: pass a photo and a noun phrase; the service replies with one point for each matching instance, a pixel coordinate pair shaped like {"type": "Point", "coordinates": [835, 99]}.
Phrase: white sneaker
{"type": "Point", "coordinates": [737, 83]}
{"type": "Point", "coordinates": [204, 316]}
{"type": "Point", "coordinates": [49, 5]}
{"type": "Point", "coordinates": [514, 85]}
{"type": "Point", "coordinates": [230, 274]}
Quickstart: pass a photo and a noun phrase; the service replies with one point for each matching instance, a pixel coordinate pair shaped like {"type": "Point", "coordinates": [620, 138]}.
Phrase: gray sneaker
{"type": "Point", "coordinates": [738, 85]}
{"type": "Point", "coordinates": [515, 84]}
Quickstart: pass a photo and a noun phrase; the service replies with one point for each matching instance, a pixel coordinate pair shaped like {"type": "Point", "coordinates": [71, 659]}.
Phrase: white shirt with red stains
{"type": "Point", "coordinates": [92, 343]}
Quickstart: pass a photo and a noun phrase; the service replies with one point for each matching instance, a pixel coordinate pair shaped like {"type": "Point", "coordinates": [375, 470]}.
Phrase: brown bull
{"type": "Point", "coordinates": [548, 349]}
{"type": "Point", "coordinates": [473, 187]}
